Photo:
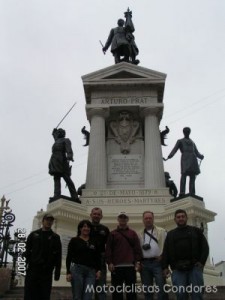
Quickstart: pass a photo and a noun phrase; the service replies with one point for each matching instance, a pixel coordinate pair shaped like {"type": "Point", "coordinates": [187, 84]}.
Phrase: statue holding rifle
{"type": "Point", "coordinates": [59, 166]}
{"type": "Point", "coordinates": [189, 162]}
{"type": "Point", "coordinates": [121, 39]}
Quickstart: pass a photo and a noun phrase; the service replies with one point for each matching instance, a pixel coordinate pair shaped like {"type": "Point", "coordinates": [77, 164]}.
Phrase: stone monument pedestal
{"type": "Point", "coordinates": [125, 171]}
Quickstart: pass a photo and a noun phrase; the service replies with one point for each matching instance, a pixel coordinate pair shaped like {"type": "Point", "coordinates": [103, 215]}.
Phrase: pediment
{"type": "Point", "coordinates": [123, 74]}
{"type": "Point", "coordinates": [123, 71]}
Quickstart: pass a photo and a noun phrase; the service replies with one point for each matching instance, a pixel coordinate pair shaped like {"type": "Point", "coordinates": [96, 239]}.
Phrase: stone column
{"type": "Point", "coordinates": [154, 171]}
{"type": "Point", "coordinates": [96, 169]}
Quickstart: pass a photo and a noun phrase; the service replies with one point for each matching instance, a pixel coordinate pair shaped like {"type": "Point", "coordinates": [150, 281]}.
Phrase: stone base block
{"type": "Point", "coordinates": [5, 275]}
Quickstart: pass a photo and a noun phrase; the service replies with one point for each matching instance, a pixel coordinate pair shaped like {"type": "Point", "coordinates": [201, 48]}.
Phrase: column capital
{"type": "Point", "coordinates": [97, 111]}
{"type": "Point", "coordinates": [152, 111]}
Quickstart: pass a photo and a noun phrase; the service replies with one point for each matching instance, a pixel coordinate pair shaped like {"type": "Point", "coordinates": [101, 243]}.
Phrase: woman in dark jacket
{"type": "Point", "coordinates": [83, 262]}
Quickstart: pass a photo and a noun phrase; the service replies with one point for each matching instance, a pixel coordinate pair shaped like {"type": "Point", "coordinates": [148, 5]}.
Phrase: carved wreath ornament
{"type": "Point", "coordinates": [125, 129]}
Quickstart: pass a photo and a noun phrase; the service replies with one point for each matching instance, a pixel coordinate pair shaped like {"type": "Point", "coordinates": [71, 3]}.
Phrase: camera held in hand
{"type": "Point", "coordinates": [146, 247]}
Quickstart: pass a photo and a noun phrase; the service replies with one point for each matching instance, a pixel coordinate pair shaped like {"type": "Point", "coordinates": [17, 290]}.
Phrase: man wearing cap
{"type": "Point", "coordinates": [43, 255]}
{"type": "Point", "coordinates": [123, 256]}
{"type": "Point", "coordinates": [152, 239]}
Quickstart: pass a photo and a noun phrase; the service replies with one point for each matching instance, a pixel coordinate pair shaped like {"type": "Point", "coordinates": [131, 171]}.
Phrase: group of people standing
{"type": "Point", "coordinates": [156, 254]}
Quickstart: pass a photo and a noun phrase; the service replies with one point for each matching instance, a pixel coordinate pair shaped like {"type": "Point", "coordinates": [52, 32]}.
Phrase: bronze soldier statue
{"type": "Point", "coordinates": [59, 166]}
{"type": "Point", "coordinates": [121, 39]}
{"type": "Point", "coordinates": [171, 185]}
{"type": "Point", "coordinates": [86, 135]}
{"type": "Point", "coordinates": [189, 162]}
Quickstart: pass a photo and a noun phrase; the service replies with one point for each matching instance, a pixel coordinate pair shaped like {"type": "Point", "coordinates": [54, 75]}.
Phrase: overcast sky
{"type": "Point", "coordinates": [45, 48]}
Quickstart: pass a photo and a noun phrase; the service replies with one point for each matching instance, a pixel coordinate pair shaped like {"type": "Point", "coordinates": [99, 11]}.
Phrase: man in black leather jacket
{"type": "Point", "coordinates": [43, 255]}
{"type": "Point", "coordinates": [100, 233]}
{"type": "Point", "coordinates": [185, 251]}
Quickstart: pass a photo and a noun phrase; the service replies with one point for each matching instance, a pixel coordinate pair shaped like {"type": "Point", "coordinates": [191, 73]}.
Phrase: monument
{"type": "Point", "coordinates": [122, 41]}
{"type": "Point", "coordinates": [189, 161]}
{"type": "Point", "coordinates": [125, 169]}
{"type": "Point", "coordinates": [59, 166]}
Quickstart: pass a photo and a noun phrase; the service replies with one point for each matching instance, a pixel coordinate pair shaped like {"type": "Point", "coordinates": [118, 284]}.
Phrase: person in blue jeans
{"type": "Point", "coordinates": [152, 240]}
{"type": "Point", "coordinates": [83, 262]}
{"type": "Point", "coordinates": [185, 251]}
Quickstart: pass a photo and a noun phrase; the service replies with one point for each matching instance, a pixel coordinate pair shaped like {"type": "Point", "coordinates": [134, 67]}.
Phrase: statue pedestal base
{"type": "Point", "coordinates": [52, 199]}
{"type": "Point", "coordinates": [186, 196]}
